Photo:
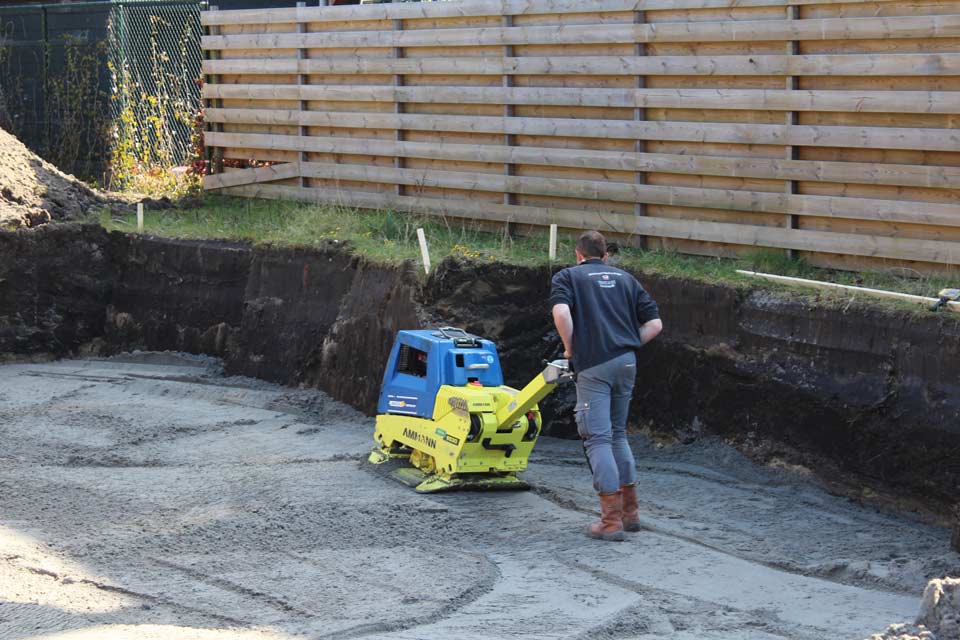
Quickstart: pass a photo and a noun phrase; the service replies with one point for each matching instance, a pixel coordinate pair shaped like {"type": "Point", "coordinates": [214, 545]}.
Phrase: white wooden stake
{"type": "Point", "coordinates": [553, 242]}
{"type": "Point", "coordinates": [424, 252]}
{"type": "Point", "coordinates": [140, 217]}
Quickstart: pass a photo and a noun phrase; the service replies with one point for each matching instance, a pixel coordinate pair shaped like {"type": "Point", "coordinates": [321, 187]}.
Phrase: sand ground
{"type": "Point", "coordinates": [151, 497]}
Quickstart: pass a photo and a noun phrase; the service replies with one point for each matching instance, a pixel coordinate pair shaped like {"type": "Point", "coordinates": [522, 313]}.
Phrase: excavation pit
{"type": "Point", "coordinates": [777, 442]}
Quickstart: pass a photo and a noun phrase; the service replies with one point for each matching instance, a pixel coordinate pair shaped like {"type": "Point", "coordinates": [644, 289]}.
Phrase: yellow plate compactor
{"type": "Point", "coordinates": [446, 419]}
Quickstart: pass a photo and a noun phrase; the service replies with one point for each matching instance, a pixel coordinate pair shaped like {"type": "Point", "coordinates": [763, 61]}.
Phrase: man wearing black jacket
{"type": "Point", "coordinates": [604, 316]}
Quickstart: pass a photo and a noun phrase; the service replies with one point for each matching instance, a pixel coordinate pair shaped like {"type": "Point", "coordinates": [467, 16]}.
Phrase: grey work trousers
{"type": "Point", "coordinates": [603, 400]}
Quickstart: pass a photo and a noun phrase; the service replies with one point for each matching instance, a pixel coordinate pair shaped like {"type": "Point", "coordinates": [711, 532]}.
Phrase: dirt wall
{"type": "Point", "coordinates": [322, 318]}
{"type": "Point", "coordinates": [176, 295]}
{"type": "Point", "coordinates": [350, 362]}
{"type": "Point", "coordinates": [851, 391]}
{"type": "Point", "coordinates": [291, 300]}
{"type": "Point", "coordinates": [55, 283]}
{"type": "Point", "coordinates": [955, 537]}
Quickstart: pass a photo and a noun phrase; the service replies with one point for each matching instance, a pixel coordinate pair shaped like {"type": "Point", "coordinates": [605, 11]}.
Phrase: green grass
{"type": "Point", "coordinates": [391, 237]}
{"type": "Point", "coordinates": [381, 235]}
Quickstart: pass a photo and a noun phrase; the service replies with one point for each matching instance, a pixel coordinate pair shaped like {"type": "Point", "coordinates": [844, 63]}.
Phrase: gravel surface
{"type": "Point", "coordinates": [150, 497]}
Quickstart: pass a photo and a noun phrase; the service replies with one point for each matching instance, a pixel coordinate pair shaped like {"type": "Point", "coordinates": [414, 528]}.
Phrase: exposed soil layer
{"type": "Point", "coordinates": [955, 540]}
{"type": "Point", "coordinates": [55, 285]}
{"type": "Point", "coordinates": [322, 318]}
{"type": "Point", "coordinates": [175, 295]}
{"type": "Point", "coordinates": [850, 390]}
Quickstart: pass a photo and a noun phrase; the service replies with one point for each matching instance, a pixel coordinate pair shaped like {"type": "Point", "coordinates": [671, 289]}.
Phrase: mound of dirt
{"type": "Point", "coordinates": [33, 191]}
{"type": "Point", "coordinates": [939, 617]}
{"type": "Point", "coordinates": [940, 609]}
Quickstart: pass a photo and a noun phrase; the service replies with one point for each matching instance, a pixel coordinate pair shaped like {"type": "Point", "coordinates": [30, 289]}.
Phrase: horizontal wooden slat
{"type": "Point", "coordinates": [479, 8]}
{"type": "Point", "coordinates": [767, 134]}
{"type": "Point", "coordinates": [946, 102]}
{"type": "Point", "coordinates": [918, 64]}
{"type": "Point", "coordinates": [743, 31]}
{"type": "Point", "coordinates": [821, 241]}
{"type": "Point", "coordinates": [763, 168]}
{"type": "Point", "coordinates": [251, 176]}
{"type": "Point", "coordinates": [728, 199]}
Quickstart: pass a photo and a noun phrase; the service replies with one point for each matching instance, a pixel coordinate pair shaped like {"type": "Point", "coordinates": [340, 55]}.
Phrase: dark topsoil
{"type": "Point", "coordinates": [866, 396]}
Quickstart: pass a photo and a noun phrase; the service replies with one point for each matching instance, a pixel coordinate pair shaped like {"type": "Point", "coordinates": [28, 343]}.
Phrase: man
{"type": "Point", "coordinates": [604, 316]}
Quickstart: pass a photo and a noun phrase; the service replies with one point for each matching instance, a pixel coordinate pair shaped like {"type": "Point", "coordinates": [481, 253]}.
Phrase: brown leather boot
{"type": "Point", "coordinates": [610, 526]}
{"type": "Point", "coordinates": [631, 511]}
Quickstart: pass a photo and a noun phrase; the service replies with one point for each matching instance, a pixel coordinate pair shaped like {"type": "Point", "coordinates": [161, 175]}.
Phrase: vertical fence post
{"type": "Point", "coordinates": [302, 79]}
{"type": "Point", "coordinates": [140, 217]}
{"type": "Point", "coordinates": [509, 140]}
{"type": "Point", "coordinates": [122, 21]}
{"type": "Point", "coordinates": [216, 154]}
{"type": "Point", "coordinates": [398, 108]}
{"type": "Point", "coordinates": [639, 114]}
{"type": "Point", "coordinates": [792, 221]}
{"type": "Point", "coordinates": [553, 242]}
{"type": "Point", "coordinates": [45, 81]}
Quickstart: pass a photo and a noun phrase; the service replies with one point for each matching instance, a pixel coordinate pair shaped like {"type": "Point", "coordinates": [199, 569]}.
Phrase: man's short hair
{"type": "Point", "coordinates": [591, 244]}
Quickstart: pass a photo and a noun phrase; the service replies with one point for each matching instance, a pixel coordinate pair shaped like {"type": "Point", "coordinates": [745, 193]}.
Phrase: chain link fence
{"type": "Point", "coordinates": [155, 69]}
{"type": "Point", "coordinates": [102, 89]}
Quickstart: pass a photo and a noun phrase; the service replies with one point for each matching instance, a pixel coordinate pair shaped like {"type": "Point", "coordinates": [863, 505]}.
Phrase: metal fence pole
{"type": "Point", "coordinates": [44, 80]}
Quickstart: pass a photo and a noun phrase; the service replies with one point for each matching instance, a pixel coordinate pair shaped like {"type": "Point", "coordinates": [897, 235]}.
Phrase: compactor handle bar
{"type": "Point", "coordinates": [460, 337]}
{"type": "Point", "coordinates": [447, 332]}
{"type": "Point", "coordinates": [557, 371]}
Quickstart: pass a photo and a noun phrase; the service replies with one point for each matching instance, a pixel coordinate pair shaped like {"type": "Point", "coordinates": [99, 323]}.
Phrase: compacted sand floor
{"type": "Point", "coordinates": [150, 497]}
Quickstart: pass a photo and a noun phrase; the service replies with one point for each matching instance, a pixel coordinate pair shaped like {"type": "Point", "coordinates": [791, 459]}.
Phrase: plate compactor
{"type": "Point", "coordinates": [447, 421]}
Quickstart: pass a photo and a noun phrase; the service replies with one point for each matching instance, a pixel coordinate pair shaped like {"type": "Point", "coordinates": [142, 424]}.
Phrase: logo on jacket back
{"type": "Point", "coordinates": [605, 281]}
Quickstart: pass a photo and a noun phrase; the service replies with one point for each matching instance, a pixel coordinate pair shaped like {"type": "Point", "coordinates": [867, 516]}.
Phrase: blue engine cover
{"type": "Point", "coordinates": [422, 361]}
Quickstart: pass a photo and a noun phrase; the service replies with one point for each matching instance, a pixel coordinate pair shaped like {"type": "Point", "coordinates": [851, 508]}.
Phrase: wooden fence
{"type": "Point", "coordinates": [828, 129]}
